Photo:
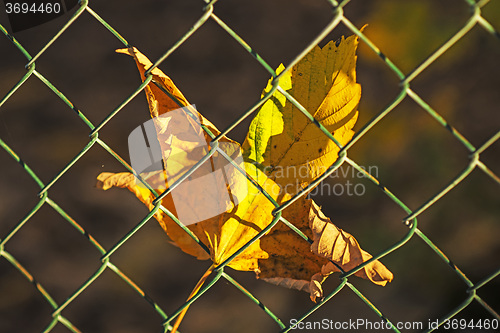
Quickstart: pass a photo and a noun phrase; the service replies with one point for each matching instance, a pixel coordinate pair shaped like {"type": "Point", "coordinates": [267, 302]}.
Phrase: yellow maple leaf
{"type": "Point", "coordinates": [289, 147]}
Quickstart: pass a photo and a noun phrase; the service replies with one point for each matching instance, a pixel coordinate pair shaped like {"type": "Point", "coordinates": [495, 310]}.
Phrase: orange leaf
{"type": "Point", "coordinates": [280, 256]}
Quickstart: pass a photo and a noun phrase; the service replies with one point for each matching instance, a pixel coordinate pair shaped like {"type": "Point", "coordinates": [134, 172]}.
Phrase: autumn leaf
{"type": "Point", "coordinates": [291, 149]}
{"type": "Point", "coordinates": [331, 248]}
{"type": "Point", "coordinates": [280, 256]}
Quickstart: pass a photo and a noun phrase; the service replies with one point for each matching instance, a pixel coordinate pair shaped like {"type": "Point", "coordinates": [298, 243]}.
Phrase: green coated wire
{"type": "Point", "coordinates": [64, 99]}
{"type": "Point", "coordinates": [11, 92]}
{"type": "Point", "coordinates": [372, 307]}
{"type": "Point", "coordinates": [453, 312]}
{"type": "Point", "coordinates": [254, 299]}
{"type": "Point", "coordinates": [218, 275]}
{"type": "Point", "coordinates": [485, 305]}
{"type": "Point", "coordinates": [107, 26]}
{"type": "Point", "coordinates": [486, 280]}
{"type": "Point", "coordinates": [16, 43]}
{"type": "Point", "coordinates": [83, 4]}
{"type": "Point", "coordinates": [449, 43]}
{"type": "Point", "coordinates": [90, 280]}
{"type": "Point", "coordinates": [131, 232]}
{"type": "Point", "coordinates": [69, 165]}
{"type": "Point", "coordinates": [275, 82]}
{"type": "Point", "coordinates": [318, 305]}
{"type": "Point", "coordinates": [461, 176]}
{"type": "Point", "coordinates": [138, 289]}
{"type": "Point", "coordinates": [121, 106]}
{"type": "Point", "coordinates": [244, 44]}
{"type": "Point", "coordinates": [208, 13]}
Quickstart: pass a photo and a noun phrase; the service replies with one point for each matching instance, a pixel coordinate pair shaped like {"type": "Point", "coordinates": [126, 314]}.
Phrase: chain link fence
{"type": "Point", "coordinates": [410, 222]}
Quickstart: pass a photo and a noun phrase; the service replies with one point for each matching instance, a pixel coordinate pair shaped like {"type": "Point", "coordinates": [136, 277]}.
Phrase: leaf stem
{"type": "Point", "coordinates": [196, 289]}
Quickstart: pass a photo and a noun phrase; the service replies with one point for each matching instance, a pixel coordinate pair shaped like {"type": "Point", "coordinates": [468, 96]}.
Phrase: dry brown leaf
{"type": "Point", "coordinates": [294, 262]}
{"type": "Point", "coordinates": [342, 248]}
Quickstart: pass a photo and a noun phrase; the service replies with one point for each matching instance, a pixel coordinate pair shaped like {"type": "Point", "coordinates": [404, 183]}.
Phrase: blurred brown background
{"type": "Point", "coordinates": [414, 155]}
